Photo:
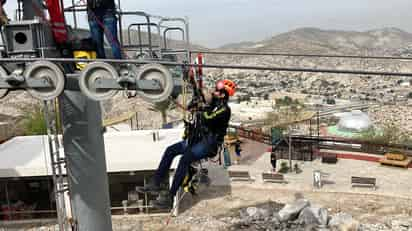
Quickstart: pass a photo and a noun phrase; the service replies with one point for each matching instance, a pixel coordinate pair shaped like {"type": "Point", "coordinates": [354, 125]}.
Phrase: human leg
{"type": "Point", "coordinates": [153, 186]}
{"type": "Point", "coordinates": [167, 159]}
{"type": "Point", "coordinates": [196, 152]}
{"type": "Point", "coordinates": [199, 151]}
{"type": "Point", "coordinates": [96, 32]}
{"type": "Point", "coordinates": [110, 22]}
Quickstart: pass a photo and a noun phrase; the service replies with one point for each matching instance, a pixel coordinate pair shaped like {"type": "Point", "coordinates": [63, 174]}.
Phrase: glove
{"type": "Point", "coordinates": [193, 105]}
{"type": "Point", "coordinates": [3, 16]}
{"type": "Point", "coordinates": [4, 20]}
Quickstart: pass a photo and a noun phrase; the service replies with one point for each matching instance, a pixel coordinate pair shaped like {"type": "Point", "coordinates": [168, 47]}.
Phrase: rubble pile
{"type": "Point", "coordinates": [298, 215]}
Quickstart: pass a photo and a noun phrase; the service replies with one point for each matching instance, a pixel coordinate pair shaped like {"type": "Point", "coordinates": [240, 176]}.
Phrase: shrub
{"type": "Point", "coordinates": [296, 168]}
{"type": "Point", "coordinates": [34, 122]}
{"type": "Point", "coordinates": [284, 168]}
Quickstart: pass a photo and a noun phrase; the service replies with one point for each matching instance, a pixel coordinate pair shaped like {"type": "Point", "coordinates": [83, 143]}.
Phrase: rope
{"type": "Point", "coordinates": [169, 218]}
{"type": "Point", "coordinates": [184, 98]}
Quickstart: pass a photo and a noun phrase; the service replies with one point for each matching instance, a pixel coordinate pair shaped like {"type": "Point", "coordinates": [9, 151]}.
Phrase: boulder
{"type": "Point", "coordinates": [400, 223]}
{"type": "Point", "coordinates": [254, 213]}
{"type": "Point", "coordinates": [307, 217]}
{"type": "Point", "coordinates": [343, 222]}
{"type": "Point", "coordinates": [275, 219]}
{"type": "Point", "coordinates": [291, 211]}
{"type": "Point", "coordinates": [313, 216]}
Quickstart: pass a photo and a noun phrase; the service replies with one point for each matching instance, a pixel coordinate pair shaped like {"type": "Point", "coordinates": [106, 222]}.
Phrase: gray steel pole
{"type": "Point", "coordinates": [86, 163]}
{"type": "Point", "coordinates": [290, 152]}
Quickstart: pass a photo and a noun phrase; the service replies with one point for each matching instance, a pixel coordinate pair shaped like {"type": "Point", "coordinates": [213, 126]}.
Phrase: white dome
{"type": "Point", "coordinates": [355, 121]}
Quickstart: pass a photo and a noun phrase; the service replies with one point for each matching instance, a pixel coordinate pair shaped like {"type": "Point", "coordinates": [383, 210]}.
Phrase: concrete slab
{"type": "Point", "coordinates": [391, 181]}
{"type": "Point", "coordinates": [125, 151]}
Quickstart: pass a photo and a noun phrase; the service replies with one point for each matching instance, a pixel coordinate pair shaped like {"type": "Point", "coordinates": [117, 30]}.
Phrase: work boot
{"type": "Point", "coordinates": [152, 187]}
{"type": "Point", "coordinates": [163, 202]}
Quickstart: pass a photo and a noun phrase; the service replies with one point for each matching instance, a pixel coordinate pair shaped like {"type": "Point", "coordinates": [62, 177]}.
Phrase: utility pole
{"type": "Point", "coordinates": [86, 162]}
{"type": "Point", "coordinates": [318, 126]}
{"type": "Point", "coordinates": [290, 150]}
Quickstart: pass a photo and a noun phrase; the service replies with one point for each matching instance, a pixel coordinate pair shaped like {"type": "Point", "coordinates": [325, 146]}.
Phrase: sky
{"type": "Point", "coordinates": [214, 23]}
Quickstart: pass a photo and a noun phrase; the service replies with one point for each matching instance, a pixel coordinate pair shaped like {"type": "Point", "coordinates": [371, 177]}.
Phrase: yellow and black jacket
{"type": "Point", "coordinates": [216, 120]}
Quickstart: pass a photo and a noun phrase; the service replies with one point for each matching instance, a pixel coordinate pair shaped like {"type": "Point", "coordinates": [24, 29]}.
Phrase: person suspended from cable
{"type": "Point", "coordinates": [199, 143]}
{"type": "Point", "coordinates": [103, 21]}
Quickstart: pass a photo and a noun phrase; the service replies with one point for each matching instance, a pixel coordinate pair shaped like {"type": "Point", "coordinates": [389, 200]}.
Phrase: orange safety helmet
{"type": "Point", "coordinates": [228, 85]}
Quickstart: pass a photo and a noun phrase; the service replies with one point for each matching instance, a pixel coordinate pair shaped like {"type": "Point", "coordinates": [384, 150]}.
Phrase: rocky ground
{"type": "Point", "coordinates": [250, 209]}
{"type": "Point", "coordinates": [396, 115]}
{"type": "Point", "coordinates": [257, 209]}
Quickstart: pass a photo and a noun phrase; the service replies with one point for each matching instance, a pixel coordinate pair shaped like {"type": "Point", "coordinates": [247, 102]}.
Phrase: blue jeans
{"type": "Point", "coordinates": [190, 154]}
{"type": "Point", "coordinates": [104, 22]}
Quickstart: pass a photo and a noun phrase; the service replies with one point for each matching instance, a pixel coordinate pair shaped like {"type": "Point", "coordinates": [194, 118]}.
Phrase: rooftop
{"type": "Point", "coordinates": [28, 156]}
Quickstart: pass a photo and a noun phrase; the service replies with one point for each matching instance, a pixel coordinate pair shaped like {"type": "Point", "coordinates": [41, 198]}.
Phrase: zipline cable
{"type": "Point", "coordinates": [218, 66]}
{"type": "Point", "coordinates": [248, 53]}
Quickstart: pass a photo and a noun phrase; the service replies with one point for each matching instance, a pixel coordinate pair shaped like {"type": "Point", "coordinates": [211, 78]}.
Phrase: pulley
{"type": "Point", "coordinates": [3, 75]}
{"type": "Point", "coordinates": [162, 76]}
{"type": "Point", "coordinates": [48, 72]}
{"type": "Point", "coordinates": [94, 73]}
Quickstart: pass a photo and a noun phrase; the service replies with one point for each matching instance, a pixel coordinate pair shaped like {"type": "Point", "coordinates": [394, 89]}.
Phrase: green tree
{"type": "Point", "coordinates": [288, 100]}
{"type": "Point", "coordinates": [330, 101]}
{"type": "Point", "coordinates": [387, 134]}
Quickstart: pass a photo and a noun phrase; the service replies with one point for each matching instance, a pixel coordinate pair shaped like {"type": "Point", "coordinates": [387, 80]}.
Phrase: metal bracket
{"type": "Point", "coordinates": [151, 85]}
{"type": "Point", "coordinates": [31, 83]}
{"type": "Point", "coordinates": [140, 85]}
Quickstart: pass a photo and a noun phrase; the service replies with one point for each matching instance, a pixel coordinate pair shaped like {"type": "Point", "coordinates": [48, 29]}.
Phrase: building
{"type": "Point", "coordinates": [355, 121]}
{"type": "Point", "coordinates": [26, 186]}
{"type": "Point", "coordinates": [350, 124]}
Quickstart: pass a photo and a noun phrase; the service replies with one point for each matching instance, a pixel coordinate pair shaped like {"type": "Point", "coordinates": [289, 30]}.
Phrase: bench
{"type": "Point", "coordinates": [240, 176]}
{"type": "Point", "coordinates": [329, 158]}
{"type": "Point", "coordinates": [273, 178]}
{"type": "Point", "coordinates": [363, 182]}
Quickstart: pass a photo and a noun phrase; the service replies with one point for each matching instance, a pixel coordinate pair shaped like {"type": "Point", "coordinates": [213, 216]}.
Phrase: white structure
{"type": "Point", "coordinates": [405, 84]}
{"type": "Point", "coordinates": [127, 153]}
{"type": "Point", "coordinates": [257, 110]}
{"type": "Point", "coordinates": [29, 156]}
{"type": "Point", "coordinates": [355, 121]}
